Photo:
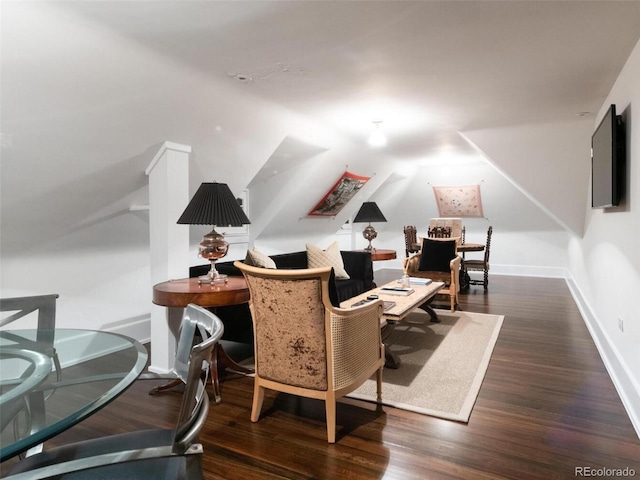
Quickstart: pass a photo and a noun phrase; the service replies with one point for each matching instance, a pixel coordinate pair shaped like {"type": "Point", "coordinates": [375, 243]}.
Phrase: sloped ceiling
{"type": "Point", "coordinates": [89, 88]}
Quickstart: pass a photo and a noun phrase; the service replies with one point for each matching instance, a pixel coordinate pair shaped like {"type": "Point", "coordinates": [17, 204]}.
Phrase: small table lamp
{"type": "Point", "coordinates": [369, 212]}
{"type": "Point", "coordinates": [213, 204]}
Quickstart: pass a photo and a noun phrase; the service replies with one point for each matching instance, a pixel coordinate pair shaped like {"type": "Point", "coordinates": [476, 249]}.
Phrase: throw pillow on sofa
{"type": "Point", "coordinates": [259, 259]}
{"type": "Point", "coordinates": [331, 257]}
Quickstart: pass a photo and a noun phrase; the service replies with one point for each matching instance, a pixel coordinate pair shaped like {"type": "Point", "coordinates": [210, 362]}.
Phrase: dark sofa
{"type": "Point", "coordinates": [237, 318]}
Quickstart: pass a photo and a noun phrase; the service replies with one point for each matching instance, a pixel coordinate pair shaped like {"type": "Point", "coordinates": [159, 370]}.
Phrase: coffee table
{"type": "Point", "coordinates": [421, 297]}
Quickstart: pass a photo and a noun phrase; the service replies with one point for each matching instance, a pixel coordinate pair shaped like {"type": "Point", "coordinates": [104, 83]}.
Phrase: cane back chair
{"type": "Point", "coordinates": [304, 345]}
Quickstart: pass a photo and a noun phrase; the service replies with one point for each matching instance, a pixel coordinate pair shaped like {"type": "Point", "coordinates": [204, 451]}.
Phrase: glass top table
{"type": "Point", "coordinates": [62, 384]}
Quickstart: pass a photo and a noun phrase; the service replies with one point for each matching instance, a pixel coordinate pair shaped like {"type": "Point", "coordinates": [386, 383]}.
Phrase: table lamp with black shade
{"type": "Point", "coordinates": [369, 212]}
{"type": "Point", "coordinates": [213, 204]}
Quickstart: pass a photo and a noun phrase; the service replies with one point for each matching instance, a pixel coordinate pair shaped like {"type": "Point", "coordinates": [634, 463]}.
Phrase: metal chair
{"type": "Point", "coordinates": [45, 305]}
{"type": "Point", "coordinates": [197, 323]}
{"type": "Point", "coordinates": [156, 453]}
{"type": "Point", "coordinates": [481, 265]}
{"type": "Point", "coordinates": [32, 406]}
{"type": "Point", "coordinates": [304, 345]}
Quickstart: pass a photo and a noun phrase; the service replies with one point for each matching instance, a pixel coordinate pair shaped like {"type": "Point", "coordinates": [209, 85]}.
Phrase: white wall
{"type": "Point", "coordinates": [605, 264]}
{"type": "Point", "coordinates": [526, 240]}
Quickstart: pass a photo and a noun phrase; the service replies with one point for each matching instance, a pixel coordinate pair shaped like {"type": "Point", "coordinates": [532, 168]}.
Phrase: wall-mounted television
{"type": "Point", "coordinates": [608, 161]}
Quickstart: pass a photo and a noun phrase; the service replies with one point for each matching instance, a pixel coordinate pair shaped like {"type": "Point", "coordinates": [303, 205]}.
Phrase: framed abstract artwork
{"type": "Point", "coordinates": [459, 201]}
{"type": "Point", "coordinates": [339, 195]}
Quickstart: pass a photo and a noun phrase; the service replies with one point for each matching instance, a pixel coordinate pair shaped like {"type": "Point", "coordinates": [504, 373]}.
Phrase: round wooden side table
{"type": "Point", "coordinates": [382, 254]}
{"type": "Point", "coordinates": [180, 293]}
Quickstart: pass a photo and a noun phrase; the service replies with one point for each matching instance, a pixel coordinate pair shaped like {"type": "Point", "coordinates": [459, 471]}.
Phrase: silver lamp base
{"type": "Point", "coordinates": [369, 233]}
{"type": "Point", "coordinates": [213, 247]}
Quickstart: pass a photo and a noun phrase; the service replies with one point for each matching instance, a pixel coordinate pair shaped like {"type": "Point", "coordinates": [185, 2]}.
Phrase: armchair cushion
{"type": "Point", "coordinates": [437, 254]}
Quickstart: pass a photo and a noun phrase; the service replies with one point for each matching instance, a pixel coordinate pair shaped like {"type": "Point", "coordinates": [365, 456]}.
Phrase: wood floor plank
{"type": "Point", "coordinates": [546, 406]}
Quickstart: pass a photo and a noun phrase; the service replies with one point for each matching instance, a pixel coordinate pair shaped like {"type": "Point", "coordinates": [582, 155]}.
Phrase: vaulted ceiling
{"type": "Point", "coordinates": [89, 89]}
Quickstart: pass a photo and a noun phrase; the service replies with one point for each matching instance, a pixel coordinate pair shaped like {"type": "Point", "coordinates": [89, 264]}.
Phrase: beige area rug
{"type": "Point", "coordinates": [443, 364]}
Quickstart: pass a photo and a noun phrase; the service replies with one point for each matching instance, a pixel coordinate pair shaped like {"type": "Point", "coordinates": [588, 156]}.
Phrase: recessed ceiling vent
{"type": "Point", "coordinates": [241, 77]}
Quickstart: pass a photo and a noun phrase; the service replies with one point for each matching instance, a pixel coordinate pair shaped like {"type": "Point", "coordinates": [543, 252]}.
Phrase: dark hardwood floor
{"type": "Point", "coordinates": [546, 407]}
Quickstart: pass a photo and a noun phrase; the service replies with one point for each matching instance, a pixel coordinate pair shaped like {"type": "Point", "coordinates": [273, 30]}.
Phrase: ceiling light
{"type": "Point", "coordinates": [377, 137]}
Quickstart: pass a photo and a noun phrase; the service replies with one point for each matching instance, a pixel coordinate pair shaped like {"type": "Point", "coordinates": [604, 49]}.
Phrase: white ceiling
{"type": "Point", "coordinates": [421, 67]}
{"type": "Point", "coordinates": [81, 83]}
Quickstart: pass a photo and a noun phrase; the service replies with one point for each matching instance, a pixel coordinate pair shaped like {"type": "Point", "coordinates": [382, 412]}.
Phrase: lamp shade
{"type": "Point", "coordinates": [369, 212]}
{"type": "Point", "coordinates": [214, 204]}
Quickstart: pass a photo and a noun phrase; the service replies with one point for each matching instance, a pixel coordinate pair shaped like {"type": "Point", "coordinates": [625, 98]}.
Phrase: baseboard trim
{"type": "Point", "coordinates": [628, 389]}
{"type": "Point", "coordinates": [138, 327]}
{"type": "Point", "coordinates": [496, 269]}
{"type": "Point", "coordinates": [528, 271]}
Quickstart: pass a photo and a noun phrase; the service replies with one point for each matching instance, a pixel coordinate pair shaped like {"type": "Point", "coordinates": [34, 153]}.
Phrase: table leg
{"type": "Point", "coordinates": [166, 386]}
{"type": "Point", "coordinates": [221, 358]}
{"type": "Point", "coordinates": [465, 279]}
{"type": "Point", "coordinates": [426, 306]}
{"type": "Point", "coordinates": [391, 359]}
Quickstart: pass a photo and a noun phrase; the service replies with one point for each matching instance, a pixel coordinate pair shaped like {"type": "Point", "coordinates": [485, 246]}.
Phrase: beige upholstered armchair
{"type": "Point", "coordinates": [439, 262]}
{"type": "Point", "coordinates": [304, 345]}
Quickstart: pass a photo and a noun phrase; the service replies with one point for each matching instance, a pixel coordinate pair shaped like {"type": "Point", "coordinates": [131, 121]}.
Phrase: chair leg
{"type": "Point", "coordinates": [379, 385]}
{"type": "Point", "coordinates": [258, 397]}
{"type": "Point", "coordinates": [486, 279]}
{"type": "Point", "coordinates": [213, 371]}
{"type": "Point", "coordinates": [330, 405]}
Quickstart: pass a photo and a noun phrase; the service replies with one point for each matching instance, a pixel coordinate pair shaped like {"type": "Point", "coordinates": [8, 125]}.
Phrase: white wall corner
{"type": "Point", "coordinates": [169, 242]}
{"type": "Point", "coordinates": [627, 387]}
{"type": "Point", "coordinates": [176, 147]}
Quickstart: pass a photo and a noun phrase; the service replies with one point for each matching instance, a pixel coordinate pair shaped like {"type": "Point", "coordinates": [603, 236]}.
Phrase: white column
{"type": "Point", "coordinates": [169, 243]}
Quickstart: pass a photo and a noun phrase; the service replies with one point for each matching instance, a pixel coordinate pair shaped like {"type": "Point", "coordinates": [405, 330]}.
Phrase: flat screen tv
{"type": "Point", "coordinates": [607, 161]}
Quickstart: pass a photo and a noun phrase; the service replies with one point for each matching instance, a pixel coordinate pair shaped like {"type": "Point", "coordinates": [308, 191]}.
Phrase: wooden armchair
{"type": "Point", "coordinates": [304, 345]}
{"type": "Point", "coordinates": [439, 262]}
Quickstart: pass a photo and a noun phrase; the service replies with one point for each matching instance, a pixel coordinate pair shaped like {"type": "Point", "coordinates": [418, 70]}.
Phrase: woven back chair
{"type": "Point", "coordinates": [305, 346]}
{"type": "Point", "coordinates": [481, 265]}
